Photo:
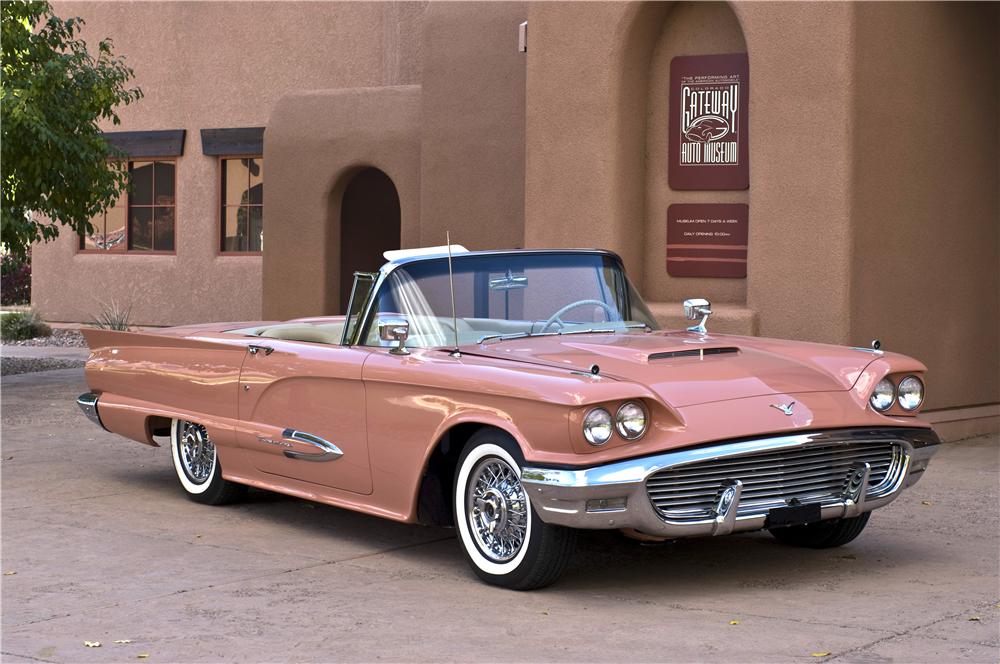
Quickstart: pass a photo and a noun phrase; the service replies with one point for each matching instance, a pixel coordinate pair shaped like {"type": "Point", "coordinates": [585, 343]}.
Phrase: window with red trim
{"type": "Point", "coordinates": [142, 219]}
{"type": "Point", "coordinates": [242, 205]}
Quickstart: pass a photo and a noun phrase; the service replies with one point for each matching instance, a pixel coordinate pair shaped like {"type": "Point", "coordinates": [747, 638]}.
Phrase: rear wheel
{"type": "Point", "coordinates": [197, 464]}
{"type": "Point", "coordinates": [822, 535]}
{"type": "Point", "coordinates": [501, 535]}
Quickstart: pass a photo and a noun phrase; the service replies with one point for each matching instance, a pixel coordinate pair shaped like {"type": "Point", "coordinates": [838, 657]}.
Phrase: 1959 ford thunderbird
{"type": "Point", "coordinates": [519, 396]}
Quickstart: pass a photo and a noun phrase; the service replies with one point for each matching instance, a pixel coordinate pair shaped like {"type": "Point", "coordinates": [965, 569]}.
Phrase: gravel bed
{"type": "Point", "coordinates": [19, 365]}
{"type": "Point", "coordinates": [60, 337]}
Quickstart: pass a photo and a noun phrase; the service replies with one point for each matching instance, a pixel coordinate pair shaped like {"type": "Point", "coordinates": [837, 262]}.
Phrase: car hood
{"type": "Point", "coordinates": [686, 369]}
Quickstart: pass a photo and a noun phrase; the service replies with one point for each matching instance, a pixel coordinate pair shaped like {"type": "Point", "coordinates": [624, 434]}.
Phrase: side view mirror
{"type": "Point", "coordinates": [395, 329]}
{"type": "Point", "coordinates": [698, 308]}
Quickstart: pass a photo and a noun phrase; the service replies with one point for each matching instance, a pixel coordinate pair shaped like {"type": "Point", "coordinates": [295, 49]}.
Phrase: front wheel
{"type": "Point", "coordinates": [501, 535]}
{"type": "Point", "coordinates": [197, 464]}
{"type": "Point", "coordinates": [824, 534]}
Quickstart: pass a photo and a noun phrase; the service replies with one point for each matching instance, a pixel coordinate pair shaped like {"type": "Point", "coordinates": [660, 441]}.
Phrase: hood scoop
{"type": "Point", "coordinates": [692, 352]}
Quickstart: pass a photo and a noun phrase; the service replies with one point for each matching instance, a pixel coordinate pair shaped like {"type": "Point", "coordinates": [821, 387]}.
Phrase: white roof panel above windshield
{"type": "Point", "coordinates": [400, 254]}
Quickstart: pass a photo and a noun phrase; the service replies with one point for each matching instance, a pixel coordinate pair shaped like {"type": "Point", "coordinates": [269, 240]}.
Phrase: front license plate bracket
{"type": "Point", "coordinates": [793, 515]}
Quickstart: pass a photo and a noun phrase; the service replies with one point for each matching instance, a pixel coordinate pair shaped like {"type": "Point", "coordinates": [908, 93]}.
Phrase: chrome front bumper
{"type": "Point", "coordinates": [615, 495]}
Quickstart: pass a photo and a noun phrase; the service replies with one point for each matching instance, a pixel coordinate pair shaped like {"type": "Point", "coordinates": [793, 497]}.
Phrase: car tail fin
{"type": "Point", "coordinates": [97, 338]}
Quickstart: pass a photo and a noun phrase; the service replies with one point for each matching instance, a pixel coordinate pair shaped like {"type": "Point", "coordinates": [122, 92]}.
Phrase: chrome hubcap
{"type": "Point", "coordinates": [197, 452]}
{"type": "Point", "coordinates": [497, 509]}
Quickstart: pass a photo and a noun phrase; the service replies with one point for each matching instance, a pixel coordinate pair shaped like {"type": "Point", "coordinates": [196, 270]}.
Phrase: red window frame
{"type": "Point", "coordinates": [220, 247]}
{"type": "Point", "coordinates": [125, 200]}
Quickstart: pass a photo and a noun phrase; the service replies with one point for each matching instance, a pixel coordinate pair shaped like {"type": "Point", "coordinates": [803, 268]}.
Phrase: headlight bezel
{"type": "Point", "coordinates": [899, 392]}
{"type": "Point", "coordinates": [619, 426]}
{"type": "Point", "coordinates": [875, 392]}
{"type": "Point", "coordinates": [588, 430]}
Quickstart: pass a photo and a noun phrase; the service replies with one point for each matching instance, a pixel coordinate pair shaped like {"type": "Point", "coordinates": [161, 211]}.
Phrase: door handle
{"type": "Point", "coordinates": [254, 349]}
{"type": "Point", "coordinates": [330, 452]}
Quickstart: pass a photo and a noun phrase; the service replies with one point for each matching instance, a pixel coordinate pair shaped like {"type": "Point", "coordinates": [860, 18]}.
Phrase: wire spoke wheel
{"type": "Point", "coordinates": [500, 533]}
{"type": "Point", "coordinates": [497, 509]}
{"type": "Point", "coordinates": [197, 452]}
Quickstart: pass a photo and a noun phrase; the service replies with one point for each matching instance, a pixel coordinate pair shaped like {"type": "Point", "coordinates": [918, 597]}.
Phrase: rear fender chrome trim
{"type": "Point", "coordinates": [88, 404]}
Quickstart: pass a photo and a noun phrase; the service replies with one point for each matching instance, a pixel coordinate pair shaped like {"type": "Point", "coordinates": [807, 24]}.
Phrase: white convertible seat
{"type": "Point", "coordinates": [428, 331]}
{"type": "Point", "coordinates": [327, 333]}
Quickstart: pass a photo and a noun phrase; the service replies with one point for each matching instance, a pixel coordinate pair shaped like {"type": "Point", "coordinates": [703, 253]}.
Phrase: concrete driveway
{"type": "Point", "coordinates": [99, 544]}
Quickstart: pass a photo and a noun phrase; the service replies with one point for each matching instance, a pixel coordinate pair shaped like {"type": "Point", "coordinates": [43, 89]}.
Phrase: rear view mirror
{"type": "Point", "coordinates": [397, 330]}
{"type": "Point", "coordinates": [509, 281]}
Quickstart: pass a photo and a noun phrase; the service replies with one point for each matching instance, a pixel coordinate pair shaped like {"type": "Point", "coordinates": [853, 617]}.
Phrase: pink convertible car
{"type": "Point", "coordinates": [520, 396]}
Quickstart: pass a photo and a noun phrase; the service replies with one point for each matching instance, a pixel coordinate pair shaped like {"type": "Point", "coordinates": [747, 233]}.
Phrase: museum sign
{"type": "Point", "coordinates": [708, 146]}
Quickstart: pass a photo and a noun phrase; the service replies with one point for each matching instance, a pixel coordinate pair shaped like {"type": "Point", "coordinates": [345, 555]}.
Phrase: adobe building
{"type": "Point", "coordinates": [860, 180]}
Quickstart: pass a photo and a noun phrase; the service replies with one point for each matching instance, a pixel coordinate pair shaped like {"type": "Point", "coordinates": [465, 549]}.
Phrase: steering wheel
{"type": "Point", "coordinates": [555, 318]}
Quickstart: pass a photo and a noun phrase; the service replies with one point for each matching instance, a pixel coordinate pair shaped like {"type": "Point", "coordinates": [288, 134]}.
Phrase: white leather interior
{"type": "Point", "coordinates": [425, 331]}
{"type": "Point", "coordinates": [327, 333]}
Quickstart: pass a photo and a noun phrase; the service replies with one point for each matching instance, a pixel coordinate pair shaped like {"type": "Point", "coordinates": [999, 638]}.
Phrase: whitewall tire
{"type": "Point", "coordinates": [196, 462]}
{"type": "Point", "coordinates": [500, 533]}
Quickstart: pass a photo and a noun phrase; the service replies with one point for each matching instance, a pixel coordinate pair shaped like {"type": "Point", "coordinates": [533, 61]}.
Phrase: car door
{"type": "Point", "coordinates": [302, 413]}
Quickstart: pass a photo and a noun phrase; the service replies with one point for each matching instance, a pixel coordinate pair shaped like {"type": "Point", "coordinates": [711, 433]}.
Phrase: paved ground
{"type": "Point", "coordinates": [105, 547]}
{"type": "Point", "coordinates": [25, 359]}
{"type": "Point", "coordinates": [32, 352]}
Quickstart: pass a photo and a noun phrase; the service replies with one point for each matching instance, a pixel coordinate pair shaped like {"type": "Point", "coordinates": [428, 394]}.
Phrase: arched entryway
{"type": "Point", "coordinates": [369, 225]}
{"type": "Point", "coordinates": [682, 32]}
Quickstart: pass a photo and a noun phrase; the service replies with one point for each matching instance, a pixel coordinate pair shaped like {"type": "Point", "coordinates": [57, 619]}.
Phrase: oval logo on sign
{"type": "Point", "coordinates": [707, 128]}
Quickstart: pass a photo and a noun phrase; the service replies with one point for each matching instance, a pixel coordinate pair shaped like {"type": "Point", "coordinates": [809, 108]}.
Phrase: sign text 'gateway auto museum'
{"type": "Point", "coordinates": [709, 151]}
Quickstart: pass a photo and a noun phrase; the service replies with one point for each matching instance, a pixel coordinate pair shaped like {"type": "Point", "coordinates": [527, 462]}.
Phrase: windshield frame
{"type": "Point", "coordinates": [368, 313]}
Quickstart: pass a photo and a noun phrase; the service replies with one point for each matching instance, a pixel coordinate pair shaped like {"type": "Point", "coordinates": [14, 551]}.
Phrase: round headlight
{"type": "Point", "coordinates": [884, 395]}
{"type": "Point", "coordinates": [911, 393]}
{"type": "Point", "coordinates": [597, 426]}
{"type": "Point", "coordinates": [631, 421]}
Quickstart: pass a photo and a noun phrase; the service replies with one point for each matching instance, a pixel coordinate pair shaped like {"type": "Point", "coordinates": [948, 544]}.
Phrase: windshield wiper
{"type": "Point", "coordinates": [589, 330]}
{"type": "Point", "coordinates": [599, 330]}
{"type": "Point", "coordinates": [602, 330]}
{"type": "Point", "coordinates": [501, 337]}
{"type": "Point", "coordinates": [515, 335]}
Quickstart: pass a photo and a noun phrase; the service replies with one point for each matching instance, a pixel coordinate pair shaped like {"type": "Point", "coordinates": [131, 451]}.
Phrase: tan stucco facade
{"type": "Point", "coordinates": [209, 65]}
{"type": "Point", "coordinates": [874, 136]}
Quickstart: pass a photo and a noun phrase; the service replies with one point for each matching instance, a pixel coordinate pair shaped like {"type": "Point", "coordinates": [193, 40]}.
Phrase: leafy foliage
{"type": "Point", "coordinates": [54, 157]}
{"type": "Point", "coordinates": [17, 325]}
{"type": "Point", "coordinates": [15, 279]}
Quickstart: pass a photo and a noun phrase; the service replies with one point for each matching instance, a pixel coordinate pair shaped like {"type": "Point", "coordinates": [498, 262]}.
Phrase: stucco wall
{"type": "Point", "coordinates": [800, 167]}
{"type": "Point", "coordinates": [472, 125]}
{"type": "Point", "coordinates": [585, 138]}
{"type": "Point", "coordinates": [317, 141]}
{"type": "Point", "coordinates": [588, 82]}
{"type": "Point", "coordinates": [202, 65]}
{"type": "Point", "coordinates": [926, 211]}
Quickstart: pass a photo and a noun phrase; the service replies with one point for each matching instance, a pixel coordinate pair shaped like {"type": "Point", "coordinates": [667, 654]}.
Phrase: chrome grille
{"type": "Point", "coordinates": [810, 473]}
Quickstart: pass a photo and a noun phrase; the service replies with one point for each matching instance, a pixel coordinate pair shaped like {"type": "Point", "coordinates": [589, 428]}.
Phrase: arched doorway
{"type": "Point", "coordinates": [682, 32]}
{"type": "Point", "coordinates": [369, 225]}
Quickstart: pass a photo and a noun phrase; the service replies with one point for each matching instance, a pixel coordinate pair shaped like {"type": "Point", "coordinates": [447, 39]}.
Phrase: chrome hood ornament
{"type": "Point", "coordinates": [785, 408]}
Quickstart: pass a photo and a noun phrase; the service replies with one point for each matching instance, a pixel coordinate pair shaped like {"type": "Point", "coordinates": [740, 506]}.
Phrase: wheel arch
{"type": "Point", "coordinates": [433, 499]}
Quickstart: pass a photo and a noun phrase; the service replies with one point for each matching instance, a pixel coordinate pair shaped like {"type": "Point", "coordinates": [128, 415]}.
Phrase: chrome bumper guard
{"type": "Point", "coordinates": [615, 495]}
{"type": "Point", "coordinates": [88, 404]}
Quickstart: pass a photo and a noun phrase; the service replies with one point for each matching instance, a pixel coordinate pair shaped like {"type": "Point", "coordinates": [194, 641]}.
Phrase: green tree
{"type": "Point", "coordinates": [54, 158]}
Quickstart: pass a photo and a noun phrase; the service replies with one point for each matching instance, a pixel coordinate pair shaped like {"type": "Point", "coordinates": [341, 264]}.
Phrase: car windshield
{"type": "Point", "coordinates": [499, 296]}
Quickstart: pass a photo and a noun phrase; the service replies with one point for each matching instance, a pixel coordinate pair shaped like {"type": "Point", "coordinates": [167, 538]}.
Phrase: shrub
{"type": "Point", "coordinates": [113, 315]}
{"type": "Point", "coordinates": [15, 275]}
{"type": "Point", "coordinates": [17, 325]}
